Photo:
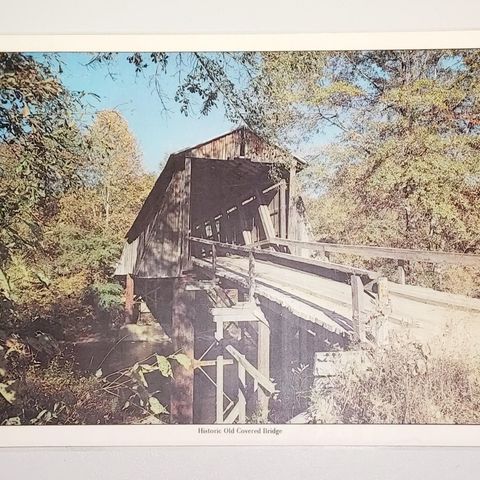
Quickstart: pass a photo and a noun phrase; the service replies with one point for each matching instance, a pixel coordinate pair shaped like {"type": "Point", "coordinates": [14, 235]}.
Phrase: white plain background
{"type": "Point", "coordinates": [243, 16]}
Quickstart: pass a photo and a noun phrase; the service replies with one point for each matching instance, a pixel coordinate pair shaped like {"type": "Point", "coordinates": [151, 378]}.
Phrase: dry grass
{"type": "Point", "coordinates": [405, 383]}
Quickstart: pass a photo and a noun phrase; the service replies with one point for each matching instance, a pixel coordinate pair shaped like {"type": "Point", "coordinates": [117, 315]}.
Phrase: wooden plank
{"type": "Point", "coordinates": [405, 254]}
{"type": "Point", "coordinates": [293, 259]}
{"type": "Point", "coordinates": [292, 209]}
{"type": "Point", "coordinates": [264, 215]}
{"type": "Point", "coordinates": [246, 317]}
{"type": "Point", "coordinates": [233, 414]}
{"type": "Point", "coordinates": [282, 192]}
{"type": "Point", "coordinates": [242, 401]}
{"type": "Point", "coordinates": [212, 363]}
{"type": "Point", "coordinates": [129, 298]}
{"type": "Point", "coordinates": [219, 406]}
{"type": "Point", "coordinates": [278, 296]}
{"type": "Point", "coordinates": [263, 364]}
{"type": "Point", "coordinates": [251, 277]}
{"type": "Point", "coordinates": [262, 380]}
{"type": "Point", "coordinates": [234, 311]}
{"type": "Point", "coordinates": [401, 272]}
{"type": "Point", "coordinates": [161, 253]}
{"type": "Point", "coordinates": [181, 399]}
{"type": "Point", "coordinates": [357, 308]}
{"type": "Point", "coordinates": [214, 261]}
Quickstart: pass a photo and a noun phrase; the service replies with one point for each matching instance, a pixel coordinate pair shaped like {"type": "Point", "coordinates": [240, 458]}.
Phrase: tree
{"type": "Point", "coordinates": [404, 168]}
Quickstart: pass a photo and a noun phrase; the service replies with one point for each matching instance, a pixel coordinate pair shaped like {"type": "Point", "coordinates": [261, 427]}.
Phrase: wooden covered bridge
{"type": "Point", "coordinates": [220, 254]}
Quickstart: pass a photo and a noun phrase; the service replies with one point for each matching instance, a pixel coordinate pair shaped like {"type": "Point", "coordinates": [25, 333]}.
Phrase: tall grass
{"type": "Point", "coordinates": [405, 383]}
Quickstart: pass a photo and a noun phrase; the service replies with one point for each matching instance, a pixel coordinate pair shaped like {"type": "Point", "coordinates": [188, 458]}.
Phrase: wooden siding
{"type": "Point", "coordinates": [127, 261]}
{"type": "Point", "coordinates": [242, 143]}
{"type": "Point", "coordinates": [210, 189]}
{"type": "Point", "coordinates": [161, 243]}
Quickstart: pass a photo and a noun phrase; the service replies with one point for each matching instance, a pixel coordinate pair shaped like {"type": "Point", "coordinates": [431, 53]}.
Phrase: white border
{"type": "Point", "coordinates": [290, 435]}
{"type": "Point", "coordinates": [174, 435]}
{"type": "Point", "coordinates": [244, 42]}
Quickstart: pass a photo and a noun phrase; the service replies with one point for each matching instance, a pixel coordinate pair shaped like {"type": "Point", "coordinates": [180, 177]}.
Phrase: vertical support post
{"type": "Point", "coordinates": [251, 277]}
{"type": "Point", "coordinates": [401, 272]}
{"type": "Point", "coordinates": [129, 298]}
{"type": "Point", "coordinates": [282, 192]}
{"type": "Point", "coordinates": [214, 261]}
{"type": "Point", "coordinates": [215, 233]}
{"type": "Point", "coordinates": [357, 308]}
{"type": "Point", "coordinates": [292, 208]}
{"type": "Point", "coordinates": [242, 401]}
{"type": "Point", "coordinates": [219, 375]}
{"type": "Point", "coordinates": [263, 363]}
{"type": "Point", "coordinates": [181, 398]}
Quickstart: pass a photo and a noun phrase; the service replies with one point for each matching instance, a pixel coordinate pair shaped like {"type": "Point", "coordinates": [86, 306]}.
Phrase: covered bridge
{"type": "Point", "coordinates": [219, 255]}
{"type": "Point", "coordinates": [235, 189]}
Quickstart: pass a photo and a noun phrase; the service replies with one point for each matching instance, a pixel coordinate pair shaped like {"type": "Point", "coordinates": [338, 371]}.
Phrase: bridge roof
{"type": "Point", "coordinates": [238, 144]}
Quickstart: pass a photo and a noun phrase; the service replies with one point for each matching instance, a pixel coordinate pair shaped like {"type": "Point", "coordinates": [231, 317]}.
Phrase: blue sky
{"type": "Point", "coordinates": [117, 86]}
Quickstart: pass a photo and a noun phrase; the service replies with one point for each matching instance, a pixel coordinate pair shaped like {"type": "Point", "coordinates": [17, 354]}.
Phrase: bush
{"type": "Point", "coordinates": [55, 393]}
{"type": "Point", "coordinates": [404, 383]}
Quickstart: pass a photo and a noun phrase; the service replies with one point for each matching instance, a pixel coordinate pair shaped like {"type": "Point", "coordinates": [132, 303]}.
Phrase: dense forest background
{"type": "Point", "coordinates": [402, 169]}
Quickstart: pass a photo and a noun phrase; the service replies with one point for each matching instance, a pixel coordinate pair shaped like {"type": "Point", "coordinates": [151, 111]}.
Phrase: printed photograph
{"type": "Point", "coordinates": [240, 237]}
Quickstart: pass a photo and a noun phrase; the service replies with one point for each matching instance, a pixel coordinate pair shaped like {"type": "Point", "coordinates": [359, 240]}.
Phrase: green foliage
{"type": "Point", "coordinates": [138, 380]}
{"type": "Point", "coordinates": [108, 295]}
{"type": "Point", "coordinates": [39, 145]}
{"type": "Point", "coordinates": [403, 167]}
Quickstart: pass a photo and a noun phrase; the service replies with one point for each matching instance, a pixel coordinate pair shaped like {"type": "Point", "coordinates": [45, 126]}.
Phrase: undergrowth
{"type": "Point", "coordinates": [404, 383]}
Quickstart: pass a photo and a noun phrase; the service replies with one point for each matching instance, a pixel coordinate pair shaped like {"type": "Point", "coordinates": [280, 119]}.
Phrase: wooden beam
{"type": "Point", "coordinates": [282, 192]}
{"type": "Point", "coordinates": [242, 385]}
{"type": "Point", "coordinates": [263, 363]}
{"type": "Point", "coordinates": [233, 415]}
{"type": "Point", "coordinates": [264, 215]}
{"type": "Point", "coordinates": [262, 380]}
{"type": "Point", "coordinates": [211, 363]}
{"type": "Point", "coordinates": [292, 208]}
{"type": "Point", "coordinates": [251, 277]}
{"type": "Point", "coordinates": [293, 259]}
{"type": "Point", "coordinates": [129, 298]}
{"type": "Point", "coordinates": [405, 254]}
{"type": "Point", "coordinates": [401, 272]}
{"type": "Point", "coordinates": [219, 406]}
{"type": "Point", "coordinates": [357, 308]}
{"type": "Point", "coordinates": [277, 295]}
{"type": "Point", "coordinates": [181, 399]}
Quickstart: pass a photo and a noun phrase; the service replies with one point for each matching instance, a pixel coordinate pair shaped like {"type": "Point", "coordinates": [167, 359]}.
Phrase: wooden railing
{"type": "Point", "coordinates": [256, 250]}
{"type": "Point", "coordinates": [361, 280]}
{"type": "Point", "coordinates": [403, 254]}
